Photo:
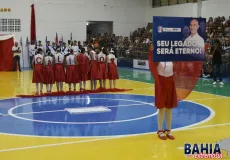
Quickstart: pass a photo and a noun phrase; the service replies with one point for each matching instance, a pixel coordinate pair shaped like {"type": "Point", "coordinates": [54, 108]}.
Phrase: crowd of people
{"type": "Point", "coordinates": [218, 40]}
{"type": "Point", "coordinates": [137, 44]}
{"type": "Point", "coordinates": [72, 65]}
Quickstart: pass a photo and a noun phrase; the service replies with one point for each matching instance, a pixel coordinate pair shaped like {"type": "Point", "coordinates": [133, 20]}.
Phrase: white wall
{"type": "Point", "coordinates": [182, 10]}
{"type": "Point", "coordinates": [21, 12]}
{"type": "Point", "coordinates": [69, 16]}
{"type": "Point", "coordinates": [214, 8]}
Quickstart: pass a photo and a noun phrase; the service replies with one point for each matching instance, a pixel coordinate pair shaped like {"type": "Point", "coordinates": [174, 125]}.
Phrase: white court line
{"type": "Point", "coordinates": [129, 105]}
{"type": "Point", "coordinates": [204, 99]}
{"type": "Point", "coordinates": [97, 139]}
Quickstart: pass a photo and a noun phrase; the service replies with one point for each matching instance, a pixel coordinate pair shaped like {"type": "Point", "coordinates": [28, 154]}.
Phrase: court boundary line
{"type": "Point", "coordinates": [97, 139]}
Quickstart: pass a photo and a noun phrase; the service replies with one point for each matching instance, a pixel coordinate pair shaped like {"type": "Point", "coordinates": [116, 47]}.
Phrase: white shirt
{"type": "Point", "coordinates": [165, 69]}
{"type": "Point", "coordinates": [59, 58]}
{"type": "Point", "coordinates": [70, 60]}
{"type": "Point", "coordinates": [32, 50]}
{"type": "Point", "coordinates": [75, 49]}
{"type": "Point", "coordinates": [87, 55]}
{"type": "Point", "coordinates": [48, 60]}
{"type": "Point", "coordinates": [53, 50]}
{"type": "Point", "coordinates": [64, 50]}
{"type": "Point", "coordinates": [38, 59]}
{"type": "Point", "coordinates": [16, 49]}
{"type": "Point", "coordinates": [199, 41]}
{"type": "Point", "coordinates": [101, 57]}
{"type": "Point", "coordinates": [110, 57]}
{"type": "Point", "coordinates": [94, 55]}
{"type": "Point", "coordinates": [41, 46]}
{"type": "Point", "coordinates": [45, 48]}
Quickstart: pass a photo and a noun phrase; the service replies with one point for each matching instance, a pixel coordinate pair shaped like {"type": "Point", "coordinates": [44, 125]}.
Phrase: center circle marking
{"type": "Point", "coordinates": [10, 112]}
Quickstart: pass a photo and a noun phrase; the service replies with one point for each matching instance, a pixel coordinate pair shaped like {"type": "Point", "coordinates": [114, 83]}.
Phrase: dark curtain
{"type": "Point", "coordinates": [33, 25]}
{"type": "Point", "coordinates": [6, 55]}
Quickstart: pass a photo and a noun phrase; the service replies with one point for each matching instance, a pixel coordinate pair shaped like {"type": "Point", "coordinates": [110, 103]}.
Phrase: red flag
{"type": "Point", "coordinates": [56, 39]}
{"type": "Point", "coordinates": [32, 25]}
{"type": "Point", "coordinates": [186, 75]}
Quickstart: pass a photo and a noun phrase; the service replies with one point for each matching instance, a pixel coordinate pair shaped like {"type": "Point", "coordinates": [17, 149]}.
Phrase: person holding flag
{"type": "Point", "coordinates": [173, 83]}
{"type": "Point", "coordinates": [53, 49]}
{"type": "Point", "coordinates": [64, 49]}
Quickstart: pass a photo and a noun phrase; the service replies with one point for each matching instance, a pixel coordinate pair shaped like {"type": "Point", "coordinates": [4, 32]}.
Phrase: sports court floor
{"type": "Point", "coordinates": [42, 128]}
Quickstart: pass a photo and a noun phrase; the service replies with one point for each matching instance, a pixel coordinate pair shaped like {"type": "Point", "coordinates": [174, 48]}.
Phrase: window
{"type": "Point", "coordinates": [10, 25]}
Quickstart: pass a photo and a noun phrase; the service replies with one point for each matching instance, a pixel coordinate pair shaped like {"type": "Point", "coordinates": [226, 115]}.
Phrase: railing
{"type": "Point", "coordinates": [135, 53]}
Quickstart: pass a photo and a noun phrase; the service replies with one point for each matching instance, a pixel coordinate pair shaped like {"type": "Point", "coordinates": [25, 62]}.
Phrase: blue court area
{"type": "Point", "coordinates": [128, 114]}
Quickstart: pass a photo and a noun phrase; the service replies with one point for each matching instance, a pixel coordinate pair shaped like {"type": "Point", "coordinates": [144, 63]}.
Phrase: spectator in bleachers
{"type": "Point", "coordinates": [217, 61]}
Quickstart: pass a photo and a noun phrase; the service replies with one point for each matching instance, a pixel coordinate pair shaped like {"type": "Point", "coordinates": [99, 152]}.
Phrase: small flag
{"type": "Point", "coordinates": [27, 41]}
{"type": "Point", "coordinates": [46, 39]}
{"type": "Point", "coordinates": [56, 39]}
{"type": "Point", "coordinates": [71, 37]}
{"type": "Point", "coordinates": [21, 41]}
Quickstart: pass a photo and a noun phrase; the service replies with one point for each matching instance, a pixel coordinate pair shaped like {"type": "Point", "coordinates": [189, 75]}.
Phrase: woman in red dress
{"type": "Point", "coordinates": [93, 67]}
{"type": "Point", "coordinates": [112, 69]}
{"type": "Point", "coordinates": [38, 71]}
{"type": "Point", "coordinates": [82, 62]}
{"type": "Point", "coordinates": [102, 67]}
{"type": "Point", "coordinates": [59, 70]}
{"type": "Point", "coordinates": [49, 78]}
{"type": "Point", "coordinates": [71, 71]}
{"type": "Point", "coordinates": [165, 94]}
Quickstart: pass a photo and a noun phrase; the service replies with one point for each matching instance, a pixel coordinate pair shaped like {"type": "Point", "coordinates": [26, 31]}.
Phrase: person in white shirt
{"type": "Point", "coordinates": [194, 36]}
{"type": "Point", "coordinates": [59, 69]}
{"type": "Point", "coordinates": [165, 94]}
{"type": "Point", "coordinates": [38, 71]}
{"type": "Point", "coordinates": [40, 45]}
{"type": "Point", "coordinates": [32, 51]}
{"type": "Point", "coordinates": [102, 68]}
{"type": "Point", "coordinates": [75, 48]}
{"type": "Point", "coordinates": [17, 51]}
{"type": "Point", "coordinates": [53, 49]}
{"type": "Point", "coordinates": [47, 48]}
{"type": "Point", "coordinates": [71, 72]}
{"type": "Point", "coordinates": [64, 49]}
{"type": "Point", "coordinates": [49, 79]}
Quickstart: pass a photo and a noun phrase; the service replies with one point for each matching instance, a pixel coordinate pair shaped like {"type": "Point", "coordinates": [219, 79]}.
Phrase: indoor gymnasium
{"type": "Point", "coordinates": [114, 79]}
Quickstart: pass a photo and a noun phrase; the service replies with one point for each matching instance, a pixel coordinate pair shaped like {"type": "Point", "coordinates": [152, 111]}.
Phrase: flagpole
{"type": "Point", "coordinates": [28, 51]}
{"type": "Point", "coordinates": [22, 53]}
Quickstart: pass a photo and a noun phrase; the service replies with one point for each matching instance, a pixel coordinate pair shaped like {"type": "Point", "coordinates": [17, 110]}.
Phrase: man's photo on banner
{"type": "Point", "coordinates": [179, 39]}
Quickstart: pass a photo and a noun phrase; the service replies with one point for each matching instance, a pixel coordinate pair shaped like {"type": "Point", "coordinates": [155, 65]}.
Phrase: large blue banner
{"type": "Point", "coordinates": [179, 39]}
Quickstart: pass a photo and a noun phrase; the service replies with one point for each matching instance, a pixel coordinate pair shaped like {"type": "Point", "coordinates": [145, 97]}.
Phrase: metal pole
{"type": "Point", "coordinates": [22, 53]}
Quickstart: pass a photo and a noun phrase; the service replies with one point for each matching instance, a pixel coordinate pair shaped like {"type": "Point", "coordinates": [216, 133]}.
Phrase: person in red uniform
{"type": "Point", "coordinates": [102, 68]}
{"type": "Point", "coordinates": [112, 69]}
{"type": "Point", "coordinates": [93, 67]}
{"type": "Point", "coordinates": [71, 71]}
{"type": "Point", "coordinates": [82, 62]}
{"type": "Point", "coordinates": [171, 81]}
{"type": "Point", "coordinates": [59, 70]}
{"type": "Point", "coordinates": [38, 71]}
{"type": "Point", "coordinates": [49, 78]}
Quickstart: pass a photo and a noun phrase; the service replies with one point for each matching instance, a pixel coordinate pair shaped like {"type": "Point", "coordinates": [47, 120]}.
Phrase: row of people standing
{"type": "Point", "coordinates": [74, 69]}
{"type": "Point", "coordinates": [52, 48]}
